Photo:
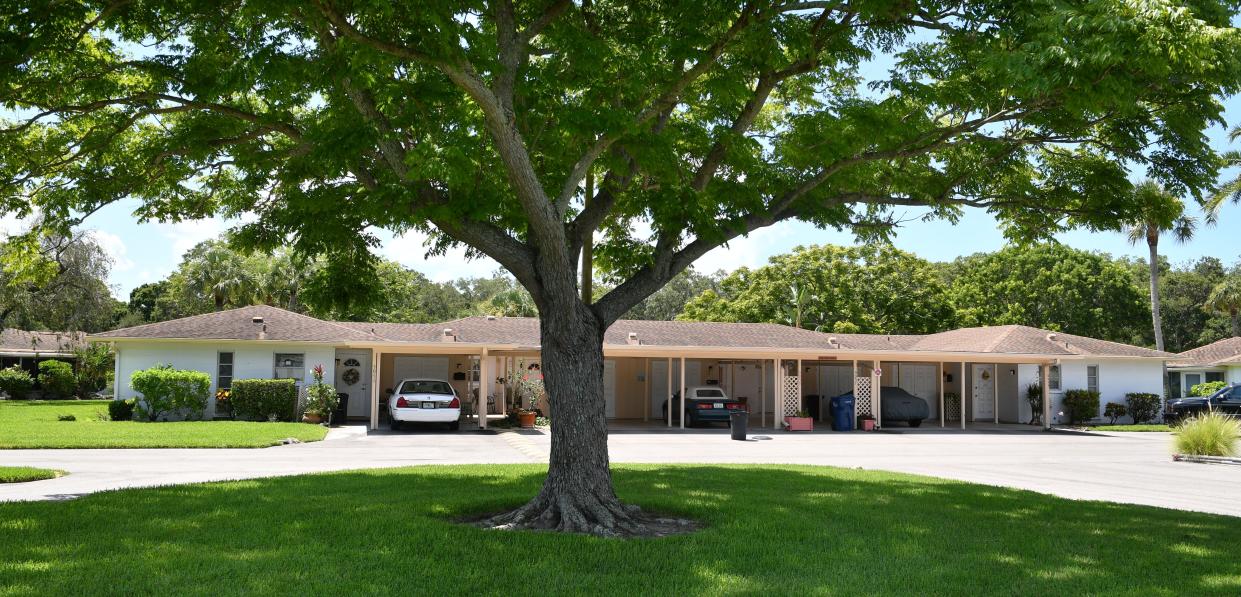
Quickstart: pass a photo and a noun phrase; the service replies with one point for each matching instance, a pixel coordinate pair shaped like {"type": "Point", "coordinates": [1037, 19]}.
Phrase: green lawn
{"type": "Point", "coordinates": [1148, 427]}
{"type": "Point", "coordinates": [777, 529]}
{"type": "Point", "coordinates": [22, 474]}
{"type": "Point", "coordinates": [34, 424]}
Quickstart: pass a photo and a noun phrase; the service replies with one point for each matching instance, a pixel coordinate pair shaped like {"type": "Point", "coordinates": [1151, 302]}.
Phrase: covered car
{"type": "Point", "coordinates": [897, 405]}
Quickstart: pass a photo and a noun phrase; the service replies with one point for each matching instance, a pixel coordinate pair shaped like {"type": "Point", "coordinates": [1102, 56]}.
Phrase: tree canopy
{"type": "Point", "coordinates": [59, 284]}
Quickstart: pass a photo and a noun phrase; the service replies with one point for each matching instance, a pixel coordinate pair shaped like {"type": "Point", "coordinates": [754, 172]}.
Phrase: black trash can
{"type": "Point", "coordinates": [842, 413]}
{"type": "Point", "coordinates": [342, 407]}
{"type": "Point", "coordinates": [738, 420]}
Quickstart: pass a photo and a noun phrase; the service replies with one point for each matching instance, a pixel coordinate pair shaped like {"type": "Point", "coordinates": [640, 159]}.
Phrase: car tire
{"type": "Point", "coordinates": [394, 424]}
{"type": "Point", "coordinates": [915, 422]}
{"type": "Point", "coordinates": [454, 426]}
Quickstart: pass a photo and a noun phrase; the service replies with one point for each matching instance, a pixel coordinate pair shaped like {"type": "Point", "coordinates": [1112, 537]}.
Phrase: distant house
{"type": "Point", "coordinates": [28, 349]}
{"type": "Point", "coordinates": [776, 369]}
{"type": "Point", "coordinates": [1218, 361]}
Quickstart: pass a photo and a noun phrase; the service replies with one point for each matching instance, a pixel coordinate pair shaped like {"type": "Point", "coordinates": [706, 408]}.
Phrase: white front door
{"type": "Point", "coordinates": [609, 388]}
{"type": "Point", "coordinates": [353, 377]}
{"type": "Point", "coordinates": [984, 392]}
{"type": "Point", "coordinates": [659, 386]}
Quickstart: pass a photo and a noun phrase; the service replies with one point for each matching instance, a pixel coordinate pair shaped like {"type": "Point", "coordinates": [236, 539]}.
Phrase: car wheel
{"type": "Point", "coordinates": [454, 426]}
{"type": "Point", "coordinates": [915, 422]}
{"type": "Point", "coordinates": [394, 424]}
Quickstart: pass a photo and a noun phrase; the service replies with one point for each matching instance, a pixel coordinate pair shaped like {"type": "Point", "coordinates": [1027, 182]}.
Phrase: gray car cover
{"type": "Point", "coordinates": [899, 405]}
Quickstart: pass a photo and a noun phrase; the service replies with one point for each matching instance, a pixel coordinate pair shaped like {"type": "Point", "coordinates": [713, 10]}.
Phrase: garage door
{"type": "Point", "coordinates": [919, 379]}
{"type": "Point", "coordinates": [422, 367]}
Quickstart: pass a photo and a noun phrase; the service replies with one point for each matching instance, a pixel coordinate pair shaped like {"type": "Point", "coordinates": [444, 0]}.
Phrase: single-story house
{"type": "Point", "coordinates": [776, 369]}
{"type": "Point", "coordinates": [1218, 361]}
{"type": "Point", "coordinates": [27, 349]}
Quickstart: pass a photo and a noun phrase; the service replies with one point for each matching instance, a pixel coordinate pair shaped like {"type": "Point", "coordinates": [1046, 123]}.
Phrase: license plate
{"type": "Point", "coordinates": [718, 405]}
{"type": "Point", "coordinates": [428, 405]}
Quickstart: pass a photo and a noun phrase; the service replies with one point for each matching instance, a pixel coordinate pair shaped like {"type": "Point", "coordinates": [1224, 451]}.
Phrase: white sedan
{"type": "Point", "coordinates": [424, 401]}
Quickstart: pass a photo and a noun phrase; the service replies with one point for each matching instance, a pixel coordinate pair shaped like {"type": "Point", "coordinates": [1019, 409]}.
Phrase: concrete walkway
{"type": "Point", "coordinates": [1131, 468]}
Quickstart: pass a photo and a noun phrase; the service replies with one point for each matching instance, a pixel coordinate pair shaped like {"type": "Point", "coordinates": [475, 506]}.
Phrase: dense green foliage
{"type": "Point", "coordinates": [16, 382]}
{"type": "Point", "coordinates": [95, 366]}
{"type": "Point", "coordinates": [1049, 286]}
{"type": "Point", "coordinates": [1142, 406]}
{"type": "Point", "coordinates": [787, 530]}
{"type": "Point", "coordinates": [122, 410]}
{"type": "Point", "coordinates": [170, 392]}
{"type": "Point", "coordinates": [264, 399]}
{"type": "Point", "coordinates": [321, 397]}
{"type": "Point", "coordinates": [57, 379]}
{"type": "Point", "coordinates": [55, 282]}
{"type": "Point", "coordinates": [34, 425]}
{"type": "Point", "coordinates": [1114, 411]}
{"type": "Point", "coordinates": [1210, 434]}
{"type": "Point", "coordinates": [1081, 405]}
{"type": "Point", "coordinates": [1207, 388]}
{"type": "Point", "coordinates": [868, 289]}
{"type": "Point", "coordinates": [1184, 291]}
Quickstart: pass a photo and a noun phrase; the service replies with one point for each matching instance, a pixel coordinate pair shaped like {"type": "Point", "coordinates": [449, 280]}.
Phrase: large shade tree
{"type": "Point", "coordinates": [478, 121]}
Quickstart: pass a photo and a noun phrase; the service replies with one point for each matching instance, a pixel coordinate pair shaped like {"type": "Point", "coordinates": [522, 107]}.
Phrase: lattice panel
{"type": "Point", "coordinates": [791, 393]}
{"type": "Point", "coordinates": [952, 409]}
{"type": "Point", "coordinates": [862, 401]}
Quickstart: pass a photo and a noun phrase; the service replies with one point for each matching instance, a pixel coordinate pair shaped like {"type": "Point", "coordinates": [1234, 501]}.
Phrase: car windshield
{"type": "Point", "coordinates": [425, 386]}
{"type": "Point", "coordinates": [710, 393]}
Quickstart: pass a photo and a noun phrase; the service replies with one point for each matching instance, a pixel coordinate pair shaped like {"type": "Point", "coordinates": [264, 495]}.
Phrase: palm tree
{"type": "Point", "coordinates": [214, 269]}
{"type": "Point", "coordinates": [1160, 212]}
{"type": "Point", "coordinates": [1226, 298]}
{"type": "Point", "coordinates": [1231, 190]}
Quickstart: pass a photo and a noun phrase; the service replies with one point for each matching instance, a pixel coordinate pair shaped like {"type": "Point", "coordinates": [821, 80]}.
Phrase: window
{"type": "Point", "coordinates": [1174, 384]}
{"type": "Point", "coordinates": [1215, 376]}
{"type": "Point", "coordinates": [224, 371]}
{"type": "Point", "coordinates": [290, 366]}
{"type": "Point", "coordinates": [1053, 377]}
{"type": "Point", "coordinates": [1191, 380]}
{"type": "Point", "coordinates": [1092, 378]}
{"type": "Point", "coordinates": [425, 386]}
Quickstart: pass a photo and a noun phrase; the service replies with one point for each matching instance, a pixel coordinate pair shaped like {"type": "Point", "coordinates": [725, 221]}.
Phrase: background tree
{"type": "Point", "coordinates": [668, 302]}
{"type": "Point", "coordinates": [1183, 290]}
{"type": "Point", "coordinates": [1049, 286]}
{"type": "Point", "coordinates": [215, 270]}
{"type": "Point", "coordinates": [701, 121]}
{"type": "Point", "coordinates": [1160, 212]}
{"type": "Point", "coordinates": [872, 289]}
{"type": "Point", "coordinates": [1226, 298]}
{"type": "Point", "coordinates": [55, 282]}
{"type": "Point", "coordinates": [1229, 191]}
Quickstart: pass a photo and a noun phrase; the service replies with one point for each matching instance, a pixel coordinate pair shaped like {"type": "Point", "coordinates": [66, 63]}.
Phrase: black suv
{"type": "Point", "coordinates": [1226, 400]}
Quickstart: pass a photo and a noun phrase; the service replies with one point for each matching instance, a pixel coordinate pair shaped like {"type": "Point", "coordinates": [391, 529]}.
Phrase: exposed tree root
{"type": "Point", "coordinates": [588, 515]}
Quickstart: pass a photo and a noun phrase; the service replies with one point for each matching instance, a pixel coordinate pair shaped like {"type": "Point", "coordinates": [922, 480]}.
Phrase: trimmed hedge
{"type": "Point", "coordinates": [1143, 407]}
{"type": "Point", "coordinates": [57, 379]}
{"type": "Point", "coordinates": [166, 391]}
{"type": "Point", "coordinates": [122, 410]}
{"type": "Point", "coordinates": [264, 399]}
{"type": "Point", "coordinates": [16, 382]}
{"type": "Point", "coordinates": [1081, 405]}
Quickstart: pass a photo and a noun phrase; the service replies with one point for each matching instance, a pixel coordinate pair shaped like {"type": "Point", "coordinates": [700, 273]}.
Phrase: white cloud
{"type": "Point", "coordinates": [115, 249]}
{"type": "Point", "coordinates": [184, 235]}
{"type": "Point", "coordinates": [410, 250]}
{"type": "Point", "coordinates": [11, 224]}
{"type": "Point", "coordinates": [749, 251]}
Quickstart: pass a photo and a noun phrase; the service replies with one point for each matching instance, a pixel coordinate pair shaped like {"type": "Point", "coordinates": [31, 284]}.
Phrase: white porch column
{"type": "Point", "coordinates": [646, 407]}
{"type": "Point", "coordinates": [877, 375]}
{"type": "Point", "coordinates": [484, 387]}
{"type": "Point", "coordinates": [669, 409]}
{"type": "Point", "coordinates": [762, 392]}
{"type": "Point", "coordinates": [941, 394]}
{"type": "Point", "coordinates": [376, 357]}
{"type": "Point", "coordinates": [1045, 371]}
{"type": "Point", "coordinates": [801, 385]}
{"type": "Point", "coordinates": [503, 368]}
{"type": "Point", "coordinates": [116, 376]}
{"type": "Point", "coordinates": [683, 393]}
{"type": "Point", "coordinates": [995, 393]}
{"type": "Point", "coordinates": [962, 392]}
{"type": "Point", "coordinates": [777, 410]}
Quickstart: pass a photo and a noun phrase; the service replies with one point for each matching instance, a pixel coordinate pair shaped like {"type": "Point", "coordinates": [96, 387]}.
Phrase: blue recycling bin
{"type": "Point", "coordinates": [842, 412]}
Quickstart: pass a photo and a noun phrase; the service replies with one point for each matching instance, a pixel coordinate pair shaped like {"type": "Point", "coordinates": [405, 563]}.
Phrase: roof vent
{"type": "Point", "coordinates": [1051, 337]}
{"type": "Point", "coordinates": [256, 319]}
{"type": "Point", "coordinates": [633, 339]}
{"type": "Point", "coordinates": [263, 331]}
{"type": "Point", "coordinates": [833, 341]}
{"type": "Point", "coordinates": [491, 318]}
{"type": "Point", "coordinates": [448, 336]}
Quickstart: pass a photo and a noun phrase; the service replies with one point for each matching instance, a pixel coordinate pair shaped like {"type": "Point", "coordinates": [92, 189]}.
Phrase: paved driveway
{"type": "Point", "coordinates": [1133, 468]}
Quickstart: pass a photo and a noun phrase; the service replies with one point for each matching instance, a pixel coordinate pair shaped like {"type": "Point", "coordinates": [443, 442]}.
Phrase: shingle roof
{"type": "Point", "coordinates": [284, 325]}
{"type": "Point", "coordinates": [23, 342]}
{"type": "Point", "coordinates": [1223, 352]}
{"type": "Point", "coordinates": [239, 324]}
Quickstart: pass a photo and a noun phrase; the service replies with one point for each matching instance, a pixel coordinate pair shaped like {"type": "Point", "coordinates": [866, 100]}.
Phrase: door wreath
{"type": "Point", "coordinates": [350, 376]}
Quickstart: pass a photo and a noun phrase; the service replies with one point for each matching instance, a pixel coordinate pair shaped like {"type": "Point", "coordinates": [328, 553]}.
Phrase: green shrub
{"type": "Point", "coordinates": [1113, 411]}
{"type": "Point", "coordinates": [57, 379]}
{"type": "Point", "coordinates": [66, 418]}
{"type": "Point", "coordinates": [16, 382]}
{"type": "Point", "coordinates": [264, 399]}
{"type": "Point", "coordinates": [1143, 407]}
{"type": "Point", "coordinates": [1207, 388]}
{"type": "Point", "coordinates": [95, 368]}
{"type": "Point", "coordinates": [166, 391]}
{"type": "Point", "coordinates": [1034, 397]}
{"type": "Point", "coordinates": [121, 410]}
{"type": "Point", "coordinates": [1081, 405]}
{"type": "Point", "coordinates": [1212, 434]}
{"type": "Point", "coordinates": [321, 398]}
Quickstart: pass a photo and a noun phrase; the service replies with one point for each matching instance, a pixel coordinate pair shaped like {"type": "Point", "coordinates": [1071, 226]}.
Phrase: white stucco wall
{"type": "Point", "coordinates": [1233, 374]}
{"type": "Point", "coordinates": [251, 360]}
{"type": "Point", "coordinates": [1116, 378]}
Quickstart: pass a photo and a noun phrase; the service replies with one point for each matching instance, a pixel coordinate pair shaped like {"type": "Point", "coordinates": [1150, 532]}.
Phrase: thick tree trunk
{"type": "Point", "coordinates": [1152, 241]}
{"type": "Point", "coordinates": [577, 495]}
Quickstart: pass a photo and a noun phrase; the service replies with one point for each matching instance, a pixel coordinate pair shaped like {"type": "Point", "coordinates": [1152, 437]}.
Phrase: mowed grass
{"type": "Point", "coordinates": [1146, 427]}
{"type": "Point", "coordinates": [35, 424]}
{"type": "Point", "coordinates": [22, 474]}
{"type": "Point", "coordinates": [770, 529]}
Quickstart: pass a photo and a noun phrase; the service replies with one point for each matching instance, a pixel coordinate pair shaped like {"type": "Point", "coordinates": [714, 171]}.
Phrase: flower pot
{"type": "Point", "coordinates": [799, 423]}
{"type": "Point", "coordinates": [526, 419]}
{"type": "Point", "coordinates": [868, 424]}
{"type": "Point", "coordinates": [312, 418]}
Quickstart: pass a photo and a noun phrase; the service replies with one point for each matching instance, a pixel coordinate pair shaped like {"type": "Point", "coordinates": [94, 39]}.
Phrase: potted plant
{"type": "Point", "coordinates": [321, 399]}
{"type": "Point", "coordinates": [531, 388]}
{"type": "Point", "coordinates": [866, 423]}
{"type": "Point", "coordinates": [799, 422]}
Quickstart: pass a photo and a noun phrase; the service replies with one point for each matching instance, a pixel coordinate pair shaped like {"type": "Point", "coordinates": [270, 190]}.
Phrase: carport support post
{"type": "Point", "coordinates": [962, 393]}
{"type": "Point", "coordinates": [941, 394]}
{"type": "Point", "coordinates": [1045, 372]}
{"type": "Point", "coordinates": [484, 387]}
{"type": "Point", "coordinates": [762, 392]}
{"type": "Point", "coordinates": [669, 409]}
{"type": "Point", "coordinates": [877, 375]}
{"type": "Point", "coordinates": [376, 356]}
{"type": "Point", "coordinates": [646, 407]}
{"type": "Point", "coordinates": [684, 392]}
{"type": "Point", "coordinates": [995, 393]}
